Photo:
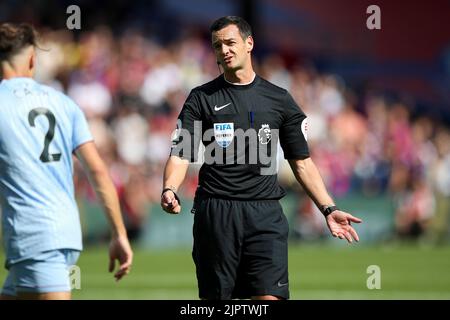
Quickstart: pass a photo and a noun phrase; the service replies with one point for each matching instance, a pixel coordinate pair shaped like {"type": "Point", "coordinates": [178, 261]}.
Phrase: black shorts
{"type": "Point", "coordinates": [240, 248]}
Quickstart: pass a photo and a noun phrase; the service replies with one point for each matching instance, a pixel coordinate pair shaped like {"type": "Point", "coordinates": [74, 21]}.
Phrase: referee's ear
{"type": "Point", "coordinates": [249, 44]}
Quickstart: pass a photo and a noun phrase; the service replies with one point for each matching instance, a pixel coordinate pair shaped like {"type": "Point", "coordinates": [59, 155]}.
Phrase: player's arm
{"type": "Point", "coordinates": [100, 179]}
{"type": "Point", "coordinates": [174, 174]}
{"type": "Point", "coordinates": [308, 176]}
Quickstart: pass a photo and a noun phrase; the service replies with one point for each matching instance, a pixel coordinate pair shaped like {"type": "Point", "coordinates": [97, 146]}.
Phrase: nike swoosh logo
{"type": "Point", "coordinates": [279, 284]}
{"type": "Point", "coordinates": [216, 108]}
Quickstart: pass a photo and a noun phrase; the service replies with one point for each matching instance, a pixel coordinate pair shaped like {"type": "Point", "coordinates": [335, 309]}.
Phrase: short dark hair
{"type": "Point", "coordinates": [244, 28]}
{"type": "Point", "coordinates": [14, 38]}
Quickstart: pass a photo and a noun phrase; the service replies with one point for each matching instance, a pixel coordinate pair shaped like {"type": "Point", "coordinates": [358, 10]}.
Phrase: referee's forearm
{"type": "Point", "coordinates": [175, 172]}
{"type": "Point", "coordinates": [309, 177]}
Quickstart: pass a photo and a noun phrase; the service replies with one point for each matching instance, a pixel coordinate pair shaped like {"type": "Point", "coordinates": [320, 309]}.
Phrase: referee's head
{"type": "Point", "coordinates": [232, 41]}
{"type": "Point", "coordinates": [17, 49]}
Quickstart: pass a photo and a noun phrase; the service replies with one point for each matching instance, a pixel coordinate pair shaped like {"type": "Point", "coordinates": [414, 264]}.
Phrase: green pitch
{"type": "Point", "coordinates": [316, 272]}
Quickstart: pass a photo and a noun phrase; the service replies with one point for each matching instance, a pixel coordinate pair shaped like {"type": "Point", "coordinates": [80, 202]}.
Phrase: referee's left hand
{"type": "Point", "coordinates": [339, 223]}
{"type": "Point", "coordinates": [169, 203]}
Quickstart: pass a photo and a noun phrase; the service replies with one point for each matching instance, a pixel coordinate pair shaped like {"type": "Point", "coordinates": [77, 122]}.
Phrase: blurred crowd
{"type": "Point", "coordinates": [132, 88]}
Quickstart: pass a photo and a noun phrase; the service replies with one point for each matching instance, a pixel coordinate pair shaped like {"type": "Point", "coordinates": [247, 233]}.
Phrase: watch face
{"type": "Point", "coordinates": [329, 210]}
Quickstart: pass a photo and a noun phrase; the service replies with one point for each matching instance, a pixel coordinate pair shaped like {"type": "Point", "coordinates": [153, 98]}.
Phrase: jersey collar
{"type": "Point", "coordinates": [241, 85]}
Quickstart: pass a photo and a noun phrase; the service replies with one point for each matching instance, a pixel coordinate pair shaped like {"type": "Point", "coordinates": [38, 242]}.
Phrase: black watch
{"type": "Point", "coordinates": [326, 210]}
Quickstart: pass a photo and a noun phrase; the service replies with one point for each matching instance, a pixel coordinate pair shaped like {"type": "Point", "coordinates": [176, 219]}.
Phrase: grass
{"type": "Point", "coordinates": [316, 272]}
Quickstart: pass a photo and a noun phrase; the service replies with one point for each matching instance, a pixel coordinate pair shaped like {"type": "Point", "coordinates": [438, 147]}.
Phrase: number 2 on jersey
{"type": "Point", "coordinates": [45, 155]}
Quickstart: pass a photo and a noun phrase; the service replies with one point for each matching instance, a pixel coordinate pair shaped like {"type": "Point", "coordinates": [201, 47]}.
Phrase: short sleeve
{"type": "Point", "coordinates": [80, 128]}
{"type": "Point", "coordinates": [293, 132]}
{"type": "Point", "coordinates": [187, 135]}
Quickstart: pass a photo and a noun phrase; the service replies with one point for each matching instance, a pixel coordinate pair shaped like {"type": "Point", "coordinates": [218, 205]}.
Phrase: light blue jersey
{"type": "Point", "coordinates": [39, 129]}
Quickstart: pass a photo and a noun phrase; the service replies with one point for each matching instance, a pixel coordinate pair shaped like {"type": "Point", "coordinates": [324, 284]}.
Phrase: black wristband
{"type": "Point", "coordinates": [327, 210]}
{"type": "Point", "coordinates": [174, 193]}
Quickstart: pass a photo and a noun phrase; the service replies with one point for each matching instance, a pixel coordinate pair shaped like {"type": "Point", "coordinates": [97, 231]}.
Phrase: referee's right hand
{"type": "Point", "coordinates": [169, 203]}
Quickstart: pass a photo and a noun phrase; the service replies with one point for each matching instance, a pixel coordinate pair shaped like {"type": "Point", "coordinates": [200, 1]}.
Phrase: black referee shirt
{"type": "Point", "coordinates": [216, 113]}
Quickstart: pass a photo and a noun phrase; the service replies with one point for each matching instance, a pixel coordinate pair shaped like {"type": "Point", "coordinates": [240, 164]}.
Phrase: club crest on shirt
{"type": "Point", "coordinates": [224, 133]}
{"type": "Point", "coordinates": [264, 134]}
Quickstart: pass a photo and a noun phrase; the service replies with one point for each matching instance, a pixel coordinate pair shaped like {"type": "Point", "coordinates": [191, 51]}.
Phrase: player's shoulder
{"type": "Point", "coordinates": [57, 94]}
{"type": "Point", "coordinates": [50, 91]}
{"type": "Point", "coordinates": [7, 86]}
{"type": "Point", "coordinates": [3, 88]}
{"type": "Point", "coordinates": [268, 86]}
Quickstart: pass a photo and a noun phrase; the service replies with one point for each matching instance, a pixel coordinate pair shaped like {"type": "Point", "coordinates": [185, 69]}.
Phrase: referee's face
{"type": "Point", "coordinates": [232, 52]}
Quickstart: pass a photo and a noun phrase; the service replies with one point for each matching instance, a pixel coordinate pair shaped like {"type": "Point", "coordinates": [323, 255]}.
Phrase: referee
{"type": "Point", "coordinates": [240, 231]}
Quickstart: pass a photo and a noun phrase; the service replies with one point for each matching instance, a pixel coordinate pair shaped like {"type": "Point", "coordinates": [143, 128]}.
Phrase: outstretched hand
{"type": "Point", "coordinates": [120, 249]}
{"type": "Point", "coordinates": [339, 223]}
